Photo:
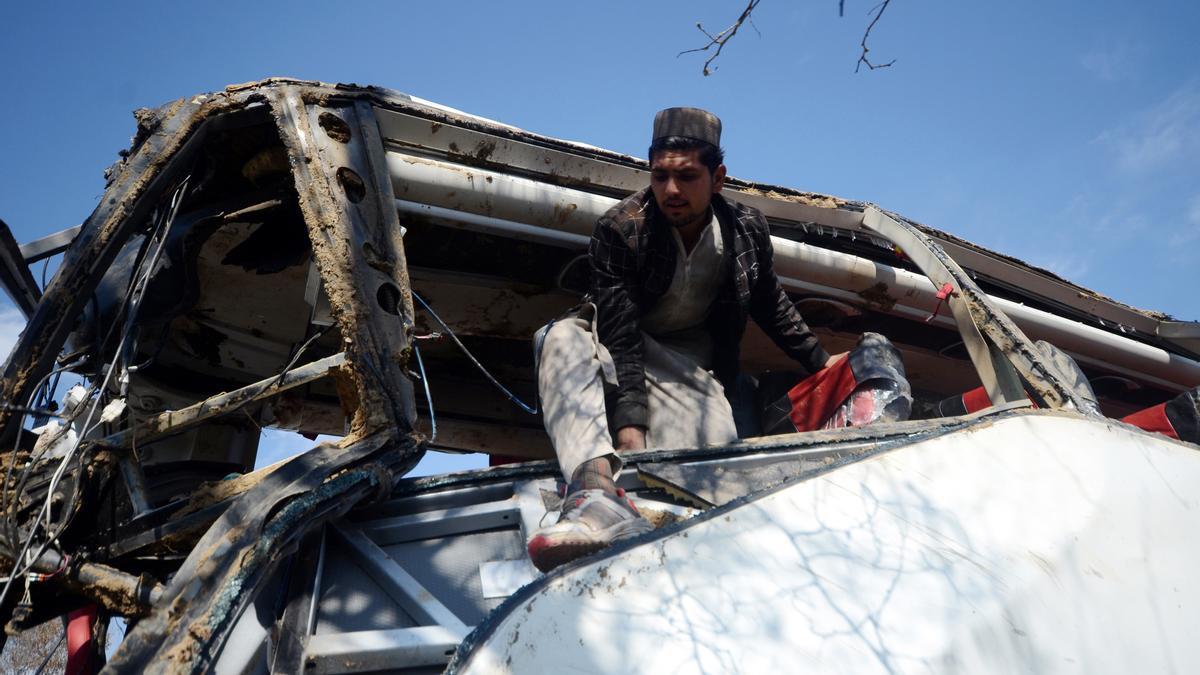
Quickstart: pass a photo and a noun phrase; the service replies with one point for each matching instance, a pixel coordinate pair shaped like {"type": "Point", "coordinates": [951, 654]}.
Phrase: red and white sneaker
{"type": "Point", "coordinates": [590, 521]}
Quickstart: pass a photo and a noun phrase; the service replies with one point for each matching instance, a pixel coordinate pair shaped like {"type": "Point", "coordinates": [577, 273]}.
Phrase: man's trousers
{"type": "Point", "coordinates": [687, 406]}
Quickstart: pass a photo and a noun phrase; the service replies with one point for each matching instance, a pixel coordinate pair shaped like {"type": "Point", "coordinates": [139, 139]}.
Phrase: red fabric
{"type": "Point", "coordinates": [1153, 419]}
{"type": "Point", "coordinates": [976, 400]}
{"type": "Point", "coordinates": [818, 396]}
{"type": "Point", "coordinates": [80, 648]}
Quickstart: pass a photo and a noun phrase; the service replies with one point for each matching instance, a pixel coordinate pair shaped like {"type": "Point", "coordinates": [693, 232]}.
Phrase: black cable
{"type": "Point", "coordinates": [134, 291]}
{"type": "Point", "coordinates": [296, 357]}
{"type": "Point", "coordinates": [511, 396]}
{"type": "Point", "coordinates": [45, 266]}
{"type": "Point", "coordinates": [428, 396]}
{"type": "Point", "coordinates": [4, 491]}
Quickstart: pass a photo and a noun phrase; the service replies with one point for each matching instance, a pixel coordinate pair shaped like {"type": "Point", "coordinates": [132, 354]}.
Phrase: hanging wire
{"type": "Point", "coordinates": [9, 523]}
{"type": "Point", "coordinates": [37, 412]}
{"type": "Point", "coordinates": [11, 515]}
{"type": "Point", "coordinates": [511, 396]}
{"type": "Point", "coordinates": [138, 280]}
{"type": "Point", "coordinates": [296, 357]}
{"type": "Point", "coordinates": [428, 396]}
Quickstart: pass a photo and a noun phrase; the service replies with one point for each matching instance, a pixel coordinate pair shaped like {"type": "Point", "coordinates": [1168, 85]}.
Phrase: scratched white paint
{"type": "Point", "coordinates": [1039, 543]}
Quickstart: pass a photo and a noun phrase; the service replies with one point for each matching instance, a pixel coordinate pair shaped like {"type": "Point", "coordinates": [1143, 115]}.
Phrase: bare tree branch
{"type": "Point", "coordinates": [720, 39]}
{"type": "Point", "coordinates": [878, 10]}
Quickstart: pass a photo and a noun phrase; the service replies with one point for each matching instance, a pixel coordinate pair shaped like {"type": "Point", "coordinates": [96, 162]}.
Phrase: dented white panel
{"type": "Point", "coordinates": [1035, 543]}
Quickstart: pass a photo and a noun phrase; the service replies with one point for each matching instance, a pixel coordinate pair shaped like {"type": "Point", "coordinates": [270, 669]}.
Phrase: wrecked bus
{"type": "Point", "coordinates": [355, 262]}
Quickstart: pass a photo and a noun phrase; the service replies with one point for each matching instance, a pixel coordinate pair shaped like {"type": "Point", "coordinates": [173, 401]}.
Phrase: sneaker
{"type": "Point", "coordinates": [590, 521]}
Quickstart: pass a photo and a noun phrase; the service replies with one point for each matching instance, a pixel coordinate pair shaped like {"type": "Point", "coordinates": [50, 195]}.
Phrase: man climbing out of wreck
{"type": "Point", "coordinates": [676, 270]}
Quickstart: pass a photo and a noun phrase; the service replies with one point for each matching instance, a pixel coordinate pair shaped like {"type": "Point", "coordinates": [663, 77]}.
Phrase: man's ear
{"type": "Point", "coordinates": [718, 179]}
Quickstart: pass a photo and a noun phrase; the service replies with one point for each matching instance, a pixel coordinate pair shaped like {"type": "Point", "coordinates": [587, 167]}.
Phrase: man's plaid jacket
{"type": "Point", "coordinates": [633, 261]}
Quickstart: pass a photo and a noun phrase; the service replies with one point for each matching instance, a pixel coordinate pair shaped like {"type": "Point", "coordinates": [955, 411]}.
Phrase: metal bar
{"type": "Point", "coordinates": [15, 276]}
{"type": "Point", "coordinates": [247, 650]}
{"type": "Point", "coordinates": [431, 500]}
{"type": "Point", "coordinates": [1179, 329]}
{"type": "Point", "coordinates": [193, 522]}
{"type": "Point", "coordinates": [174, 421]}
{"type": "Point", "coordinates": [494, 194]}
{"type": "Point", "coordinates": [111, 588]}
{"type": "Point", "coordinates": [399, 585]}
{"type": "Point", "coordinates": [318, 576]}
{"type": "Point", "coordinates": [293, 628]}
{"type": "Point", "coordinates": [1006, 349]}
{"type": "Point", "coordinates": [380, 649]}
{"type": "Point", "coordinates": [473, 221]}
{"type": "Point", "coordinates": [51, 244]}
{"type": "Point", "coordinates": [387, 531]}
{"type": "Point", "coordinates": [135, 482]}
{"type": "Point", "coordinates": [997, 375]}
{"type": "Point", "coordinates": [345, 194]}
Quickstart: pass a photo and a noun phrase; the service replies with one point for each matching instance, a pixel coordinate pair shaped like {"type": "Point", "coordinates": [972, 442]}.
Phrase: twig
{"type": "Point", "coordinates": [720, 39]}
{"type": "Point", "coordinates": [878, 10]}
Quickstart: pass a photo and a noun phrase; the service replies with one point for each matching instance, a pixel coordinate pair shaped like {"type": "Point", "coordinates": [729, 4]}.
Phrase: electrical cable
{"type": "Point", "coordinates": [12, 526]}
{"type": "Point", "coordinates": [138, 290]}
{"type": "Point", "coordinates": [139, 260]}
{"type": "Point", "coordinates": [39, 412]}
{"type": "Point", "coordinates": [45, 266]}
{"type": "Point", "coordinates": [428, 396]}
{"type": "Point", "coordinates": [295, 357]}
{"type": "Point", "coordinates": [511, 396]}
{"type": "Point", "coordinates": [10, 523]}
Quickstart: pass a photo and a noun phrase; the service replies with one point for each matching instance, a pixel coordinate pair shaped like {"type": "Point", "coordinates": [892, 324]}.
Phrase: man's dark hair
{"type": "Point", "coordinates": [710, 155]}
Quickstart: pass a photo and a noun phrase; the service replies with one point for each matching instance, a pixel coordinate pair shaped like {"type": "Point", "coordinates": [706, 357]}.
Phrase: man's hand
{"type": "Point", "coordinates": [631, 438]}
{"type": "Point", "coordinates": [835, 358]}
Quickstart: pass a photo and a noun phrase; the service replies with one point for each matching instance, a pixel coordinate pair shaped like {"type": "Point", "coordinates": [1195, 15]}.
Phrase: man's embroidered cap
{"type": "Point", "coordinates": [693, 123]}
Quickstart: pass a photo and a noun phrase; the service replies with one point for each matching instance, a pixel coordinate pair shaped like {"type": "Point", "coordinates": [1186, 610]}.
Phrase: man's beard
{"type": "Point", "coordinates": [685, 219]}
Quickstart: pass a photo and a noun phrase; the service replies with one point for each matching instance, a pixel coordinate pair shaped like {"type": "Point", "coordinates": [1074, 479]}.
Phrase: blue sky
{"type": "Point", "coordinates": [1064, 133]}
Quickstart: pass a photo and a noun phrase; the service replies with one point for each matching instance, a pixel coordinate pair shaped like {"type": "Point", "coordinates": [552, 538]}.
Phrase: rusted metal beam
{"type": "Point", "coordinates": [175, 421]}
{"type": "Point", "coordinates": [15, 275]}
{"type": "Point", "coordinates": [345, 192]}
{"type": "Point", "coordinates": [116, 591]}
{"type": "Point", "coordinates": [49, 245]}
{"type": "Point", "coordinates": [187, 629]}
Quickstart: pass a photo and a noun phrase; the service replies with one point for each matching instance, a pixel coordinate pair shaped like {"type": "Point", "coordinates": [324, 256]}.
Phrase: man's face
{"type": "Point", "coordinates": [682, 186]}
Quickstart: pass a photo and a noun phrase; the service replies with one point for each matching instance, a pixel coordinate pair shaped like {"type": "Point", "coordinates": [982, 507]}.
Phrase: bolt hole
{"type": "Point", "coordinates": [351, 184]}
{"type": "Point", "coordinates": [335, 127]}
{"type": "Point", "coordinates": [388, 297]}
